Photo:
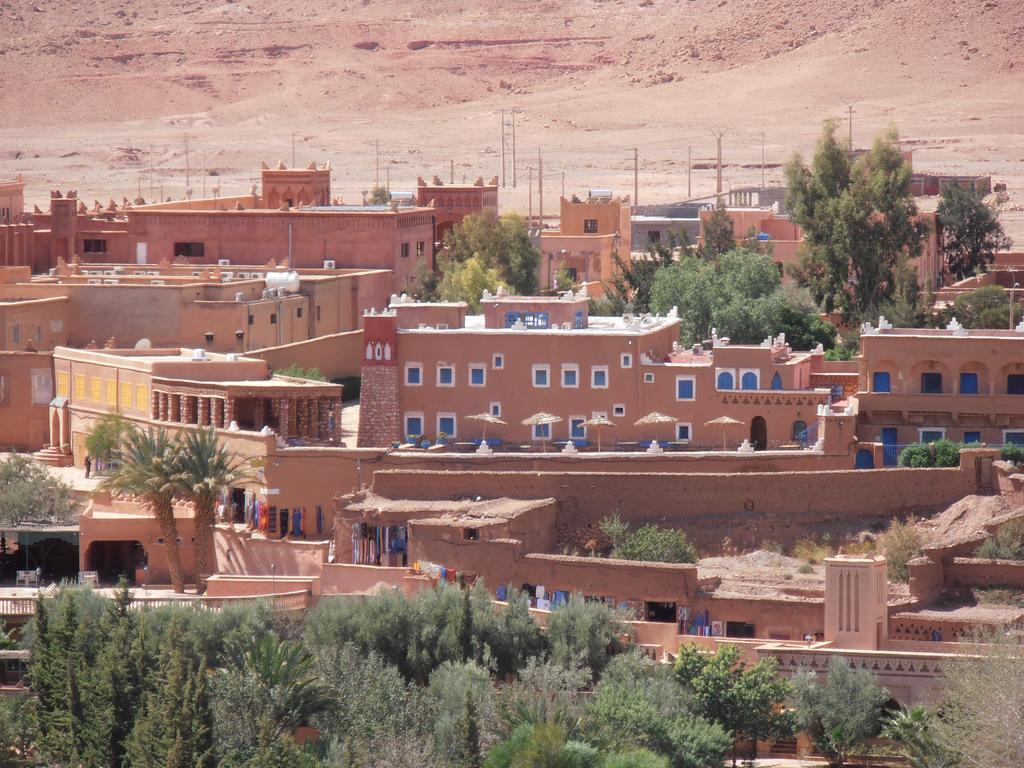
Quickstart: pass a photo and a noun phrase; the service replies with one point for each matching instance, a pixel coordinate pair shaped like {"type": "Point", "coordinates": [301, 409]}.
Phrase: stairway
{"type": "Point", "coordinates": [53, 457]}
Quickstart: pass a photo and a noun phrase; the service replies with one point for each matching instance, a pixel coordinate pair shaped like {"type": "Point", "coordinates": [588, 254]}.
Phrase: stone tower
{"type": "Point", "coordinates": [378, 393]}
{"type": "Point", "coordinates": [856, 602]}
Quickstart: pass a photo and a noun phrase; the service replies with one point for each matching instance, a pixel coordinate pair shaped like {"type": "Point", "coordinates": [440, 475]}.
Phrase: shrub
{"type": "Point", "coordinates": [941, 453]}
{"type": "Point", "coordinates": [1006, 544]}
{"type": "Point", "coordinates": [636, 758]}
{"type": "Point", "coordinates": [586, 633]}
{"type": "Point", "coordinates": [698, 743]}
{"type": "Point", "coordinates": [298, 372]}
{"type": "Point", "coordinates": [656, 545]}
{"type": "Point", "coordinates": [917, 456]}
{"type": "Point", "coordinates": [902, 543]}
{"type": "Point", "coordinates": [811, 552]}
{"type": "Point", "coordinates": [1012, 453]}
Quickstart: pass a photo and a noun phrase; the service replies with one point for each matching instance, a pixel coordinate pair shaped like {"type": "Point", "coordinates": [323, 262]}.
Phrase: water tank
{"type": "Point", "coordinates": [289, 281]}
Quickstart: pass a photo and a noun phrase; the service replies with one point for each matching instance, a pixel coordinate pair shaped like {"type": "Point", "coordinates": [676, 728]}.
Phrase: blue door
{"type": "Point", "coordinates": [865, 459]}
{"type": "Point", "coordinates": [891, 449]}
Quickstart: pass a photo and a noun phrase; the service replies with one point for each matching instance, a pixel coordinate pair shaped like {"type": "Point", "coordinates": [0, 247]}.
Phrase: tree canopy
{"type": "Point", "coordinates": [501, 243]}
{"type": "Point", "coordinates": [970, 231]}
{"type": "Point", "coordinates": [30, 495]}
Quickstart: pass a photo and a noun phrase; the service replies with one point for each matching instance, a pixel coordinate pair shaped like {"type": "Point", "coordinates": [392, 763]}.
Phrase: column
{"type": "Point", "coordinates": [154, 404]}
{"type": "Point", "coordinates": [301, 416]}
{"type": "Point", "coordinates": [284, 417]}
{"type": "Point", "coordinates": [164, 398]}
{"type": "Point", "coordinates": [188, 409]}
{"type": "Point", "coordinates": [322, 414]}
{"type": "Point", "coordinates": [218, 412]}
{"type": "Point", "coordinates": [314, 418]}
{"type": "Point", "coordinates": [229, 410]}
{"type": "Point", "coordinates": [204, 411]}
{"type": "Point", "coordinates": [174, 411]}
{"type": "Point", "coordinates": [336, 410]}
{"type": "Point", "coordinates": [259, 414]}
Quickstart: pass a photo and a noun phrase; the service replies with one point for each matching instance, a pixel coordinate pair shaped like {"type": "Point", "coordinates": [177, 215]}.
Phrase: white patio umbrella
{"type": "Point", "coordinates": [723, 421]}
{"type": "Point", "coordinates": [598, 422]}
{"type": "Point", "coordinates": [541, 418]}
{"type": "Point", "coordinates": [485, 419]}
{"type": "Point", "coordinates": [654, 418]}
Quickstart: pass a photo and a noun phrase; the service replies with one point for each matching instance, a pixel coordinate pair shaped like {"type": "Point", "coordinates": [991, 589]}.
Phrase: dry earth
{"type": "Point", "coordinates": [94, 93]}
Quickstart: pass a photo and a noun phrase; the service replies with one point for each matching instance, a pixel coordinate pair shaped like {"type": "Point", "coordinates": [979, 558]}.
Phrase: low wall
{"type": "Point", "coordinates": [240, 553]}
{"type": "Point", "coordinates": [259, 586]}
{"type": "Point", "coordinates": [745, 508]}
{"type": "Point", "coordinates": [978, 572]}
{"type": "Point", "coordinates": [344, 578]}
{"type": "Point", "coordinates": [337, 355]}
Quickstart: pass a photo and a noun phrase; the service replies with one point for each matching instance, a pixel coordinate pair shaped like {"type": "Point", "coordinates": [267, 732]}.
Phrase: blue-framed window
{"type": "Point", "coordinates": [1013, 438]}
{"type": "Point", "coordinates": [972, 437]}
{"type": "Point", "coordinates": [776, 381]}
{"type": "Point", "coordinates": [570, 376]}
{"type": "Point", "coordinates": [931, 435]}
{"type": "Point", "coordinates": [477, 375]}
{"type": "Point", "coordinates": [968, 383]}
{"type": "Point", "coordinates": [881, 382]}
{"type": "Point", "coordinates": [599, 377]}
{"type": "Point", "coordinates": [580, 321]}
{"type": "Point", "coordinates": [684, 388]}
{"type": "Point", "coordinates": [413, 375]}
{"type": "Point", "coordinates": [1015, 384]}
{"type": "Point", "coordinates": [541, 431]}
{"type": "Point", "coordinates": [931, 383]}
{"type": "Point", "coordinates": [445, 376]}
{"type": "Point", "coordinates": [576, 429]}
{"type": "Point", "coordinates": [682, 431]}
{"type": "Point", "coordinates": [724, 380]}
{"type": "Point", "coordinates": [541, 376]}
{"type": "Point", "coordinates": [529, 319]}
{"type": "Point", "coordinates": [446, 424]}
{"type": "Point", "coordinates": [748, 380]}
{"type": "Point", "coordinates": [413, 425]}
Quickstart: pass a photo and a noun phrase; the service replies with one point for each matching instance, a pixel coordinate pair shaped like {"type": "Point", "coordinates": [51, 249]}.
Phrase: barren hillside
{"type": "Point", "coordinates": [94, 92]}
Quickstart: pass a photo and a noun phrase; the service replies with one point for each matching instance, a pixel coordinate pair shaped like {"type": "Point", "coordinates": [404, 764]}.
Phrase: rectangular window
{"type": "Point", "coordinates": [590, 226]}
{"type": "Point", "coordinates": [626, 360]}
{"type": "Point", "coordinates": [446, 424]}
{"type": "Point", "coordinates": [192, 250]}
{"type": "Point", "coordinates": [495, 410]}
{"type": "Point", "coordinates": [94, 246]}
{"type": "Point", "coordinates": [541, 431]}
{"type": "Point", "coordinates": [477, 375]}
{"type": "Point", "coordinates": [413, 374]}
{"type": "Point", "coordinates": [1015, 384]}
{"type": "Point", "coordinates": [413, 424]}
{"type": "Point", "coordinates": [273, 318]}
{"type": "Point", "coordinates": [498, 361]}
{"type": "Point", "coordinates": [112, 394]}
{"type": "Point", "coordinates": [5, 391]}
{"type": "Point", "coordinates": [126, 395]}
{"type": "Point", "coordinates": [930, 434]}
{"type": "Point", "coordinates": [968, 383]}
{"type": "Point", "coordinates": [94, 388]}
{"type": "Point", "coordinates": [619, 410]}
{"type": "Point", "coordinates": [648, 378]}
{"type": "Point", "coordinates": [931, 383]}
{"type": "Point", "coordinates": [972, 437]}
{"type": "Point", "coordinates": [79, 386]}
{"type": "Point", "coordinates": [298, 312]}
{"type": "Point", "coordinates": [318, 313]}
{"type": "Point", "coordinates": [541, 375]}
{"type": "Point", "coordinates": [16, 333]}
{"type": "Point", "coordinates": [685, 387]}
{"type": "Point", "coordinates": [42, 386]}
{"type": "Point", "coordinates": [533, 320]}
{"type": "Point", "coordinates": [141, 397]}
{"type": "Point", "coordinates": [880, 382]}
{"type": "Point", "coordinates": [405, 250]}
{"type": "Point", "coordinates": [1013, 437]}
{"type": "Point", "coordinates": [252, 319]}
{"type": "Point", "coordinates": [599, 376]}
{"type": "Point", "coordinates": [570, 375]}
{"type": "Point", "coordinates": [63, 388]}
{"type": "Point", "coordinates": [445, 376]}
{"type": "Point", "coordinates": [421, 249]}
{"type": "Point", "coordinates": [683, 432]}
{"type": "Point", "coordinates": [576, 429]}
{"type": "Point", "coordinates": [653, 236]}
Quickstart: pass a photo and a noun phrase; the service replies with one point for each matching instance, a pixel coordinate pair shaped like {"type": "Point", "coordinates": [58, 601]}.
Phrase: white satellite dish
{"type": "Point", "coordinates": [143, 343]}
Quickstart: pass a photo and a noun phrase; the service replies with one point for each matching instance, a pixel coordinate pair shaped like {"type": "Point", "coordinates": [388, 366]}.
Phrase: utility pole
{"type": "Point", "coordinates": [529, 216]}
{"type": "Point", "coordinates": [689, 164]}
{"type": "Point", "coordinates": [376, 145]}
{"type": "Point", "coordinates": [387, 175]}
{"type": "Point", "coordinates": [849, 110]}
{"type": "Point", "coordinates": [540, 190]}
{"type": "Point", "coordinates": [188, 175]}
{"type": "Point", "coordinates": [293, 149]}
{"type": "Point", "coordinates": [513, 148]}
{"type": "Point", "coordinates": [636, 176]}
{"type": "Point", "coordinates": [151, 188]}
{"type": "Point", "coordinates": [503, 148]}
{"type": "Point", "coordinates": [718, 133]}
{"type": "Point", "coordinates": [762, 159]}
{"type": "Point", "coordinates": [204, 174]}
{"type": "Point", "coordinates": [563, 183]}
{"type": "Point", "coordinates": [452, 175]}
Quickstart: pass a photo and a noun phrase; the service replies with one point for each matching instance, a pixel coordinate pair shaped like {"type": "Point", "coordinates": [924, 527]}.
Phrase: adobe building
{"type": "Point", "coordinates": [428, 367]}
{"type": "Point", "coordinates": [12, 199]}
{"type": "Point", "coordinates": [452, 203]}
{"type": "Point", "coordinates": [589, 233]}
{"type": "Point", "coordinates": [925, 384]}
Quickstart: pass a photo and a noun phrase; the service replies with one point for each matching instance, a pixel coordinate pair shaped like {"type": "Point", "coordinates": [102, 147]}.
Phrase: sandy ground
{"type": "Point", "coordinates": [97, 94]}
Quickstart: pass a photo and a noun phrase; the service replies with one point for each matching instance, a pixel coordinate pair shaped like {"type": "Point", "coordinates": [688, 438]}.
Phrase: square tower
{"type": "Point", "coordinates": [856, 601]}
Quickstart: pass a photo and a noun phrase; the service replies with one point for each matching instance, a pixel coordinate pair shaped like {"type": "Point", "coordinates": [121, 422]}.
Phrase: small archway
{"type": "Point", "coordinates": [759, 433]}
{"type": "Point", "coordinates": [776, 381]}
{"type": "Point", "coordinates": [800, 431]}
{"type": "Point", "coordinates": [865, 459]}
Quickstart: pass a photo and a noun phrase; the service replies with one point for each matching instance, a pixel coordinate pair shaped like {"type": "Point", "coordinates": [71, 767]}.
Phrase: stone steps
{"type": "Point", "coordinates": [53, 457]}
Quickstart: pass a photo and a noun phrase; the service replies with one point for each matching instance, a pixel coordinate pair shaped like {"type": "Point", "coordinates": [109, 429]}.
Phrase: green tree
{"type": "Point", "coordinates": [502, 243]}
{"type": "Point", "coordinates": [297, 371]}
{"type": "Point", "coordinates": [969, 231]}
{"type": "Point", "coordinates": [656, 545]}
{"type": "Point", "coordinates": [747, 700]}
{"type": "Point", "coordinates": [204, 468]}
{"type": "Point", "coordinates": [587, 633]}
{"type": "Point", "coordinates": [467, 741]}
{"type": "Point", "coordinates": [146, 466]}
{"type": "Point", "coordinates": [632, 281]}
{"type": "Point", "coordinates": [717, 232]}
{"type": "Point", "coordinates": [859, 221]}
{"type": "Point", "coordinates": [636, 758]}
{"type": "Point", "coordinates": [15, 732]}
{"type": "Point", "coordinates": [843, 712]}
{"type": "Point", "coordinates": [106, 435]}
{"type": "Point", "coordinates": [467, 280]}
{"type": "Point", "coordinates": [30, 494]}
{"type": "Point", "coordinates": [379, 195]}
{"type": "Point", "coordinates": [912, 728]}
{"type": "Point", "coordinates": [986, 307]}
{"type": "Point", "coordinates": [902, 543]}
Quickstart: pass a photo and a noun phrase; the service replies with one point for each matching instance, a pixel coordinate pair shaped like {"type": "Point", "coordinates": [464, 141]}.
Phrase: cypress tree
{"type": "Point", "coordinates": [467, 748]}
{"type": "Point", "coordinates": [466, 627]}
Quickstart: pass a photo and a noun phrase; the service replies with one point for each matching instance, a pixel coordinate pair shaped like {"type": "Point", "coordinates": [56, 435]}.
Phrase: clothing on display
{"type": "Point", "coordinates": [380, 545]}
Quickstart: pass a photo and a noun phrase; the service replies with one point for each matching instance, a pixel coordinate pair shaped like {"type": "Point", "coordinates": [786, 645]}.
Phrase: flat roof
{"type": "Point", "coordinates": [597, 326]}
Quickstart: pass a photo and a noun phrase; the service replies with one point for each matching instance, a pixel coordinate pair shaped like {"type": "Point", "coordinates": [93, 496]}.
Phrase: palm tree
{"type": "Point", "coordinates": [204, 469]}
{"type": "Point", "coordinates": [144, 466]}
{"type": "Point", "coordinates": [911, 728]}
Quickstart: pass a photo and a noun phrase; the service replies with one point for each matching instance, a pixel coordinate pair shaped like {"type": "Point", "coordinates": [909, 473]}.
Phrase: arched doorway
{"type": "Point", "coordinates": [865, 459]}
{"type": "Point", "coordinates": [759, 433]}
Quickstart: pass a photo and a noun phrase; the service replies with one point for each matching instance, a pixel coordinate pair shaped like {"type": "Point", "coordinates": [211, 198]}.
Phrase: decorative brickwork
{"type": "Point", "coordinates": [379, 397]}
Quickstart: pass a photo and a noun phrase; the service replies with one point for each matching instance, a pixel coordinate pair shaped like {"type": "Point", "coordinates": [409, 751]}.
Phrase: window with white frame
{"type": "Point", "coordinates": [577, 430]}
{"type": "Point", "coordinates": [495, 410]}
{"type": "Point", "coordinates": [599, 414]}
{"type": "Point", "coordinates": [686, 388]}
{"type": "Point", "coordinates": [446, 424]}
{"type": "Point", "coordinates": [445, 375]}
{"type": "Point", "coordinates": [498, 361]}
{"type": "Point", "coordinates": [541, 431]}
{"type": "Point", "coordinates": [413, 374]}
{"type": "Point", "coordinates": [1013, 437]}
{"type": "Point", "coordinates": [725, 378]}
{"type": "Point", "coordinates": [930, 434]}
{"type": "Point", "coordinates": [570, 375]}
{"type": "Point", "coordinates": [683, 430]}
{"type": "Point", "coordinates": [541, 375]}
{"type": "Point", "coordinates": [477, 375]}
{"type": "Point", "coordinates": [627, 359]}
{"type": "Point", "coordinates": [750, 378]}
{"type": "Point", "coordinates": [619, 410]}
{"type": "Point", "coordinates": [414, 423]}
{"type": "Point", "coordinates": [599, 376]}
{"type": "Point", "coordinates": [648, 378]}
